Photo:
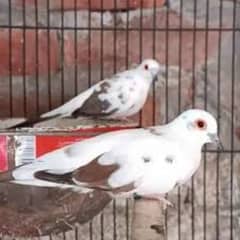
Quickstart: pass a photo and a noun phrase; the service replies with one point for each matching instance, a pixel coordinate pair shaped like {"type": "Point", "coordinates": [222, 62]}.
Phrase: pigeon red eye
{"type": "Point", "coordinates": [146, 67]}
{"type": "Point", "coordinates": [201, 124]}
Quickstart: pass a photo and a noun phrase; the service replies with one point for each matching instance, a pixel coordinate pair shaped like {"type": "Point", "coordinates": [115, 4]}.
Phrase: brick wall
{"type": "Point", "coordinates": [60, 59]}
{"type": "Point", "coordinates": [96, 5]}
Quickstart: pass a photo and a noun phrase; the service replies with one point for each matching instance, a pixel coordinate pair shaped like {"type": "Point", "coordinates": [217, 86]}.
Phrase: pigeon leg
{"type": "Point", "coordinates": [166, 203]}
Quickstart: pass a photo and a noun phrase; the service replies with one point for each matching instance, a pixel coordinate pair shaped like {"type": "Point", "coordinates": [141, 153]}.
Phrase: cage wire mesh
{"type": "Point", "coordinates": [196, 41]}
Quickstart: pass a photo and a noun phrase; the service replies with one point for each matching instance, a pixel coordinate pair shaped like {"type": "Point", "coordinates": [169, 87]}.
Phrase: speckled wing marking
{"type": "Point", "coordinates": [93, 106]}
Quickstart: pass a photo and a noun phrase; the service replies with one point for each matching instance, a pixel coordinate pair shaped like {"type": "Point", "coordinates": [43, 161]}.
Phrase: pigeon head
{"type": "Point", "coordinates": [151, 66]}
{"type": "Point", "coordinates": [201, 126]}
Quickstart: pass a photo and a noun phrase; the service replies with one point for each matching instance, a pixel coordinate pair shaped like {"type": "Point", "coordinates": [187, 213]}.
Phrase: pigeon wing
{"type": "Point", "coordinates": [94, 105]}
{"type": "Point", "coordinates": [93, 175]}
{"type": "Point", "coordinates": [108, 97]}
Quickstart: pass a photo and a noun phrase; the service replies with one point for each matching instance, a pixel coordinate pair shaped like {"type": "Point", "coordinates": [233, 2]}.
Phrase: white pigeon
{"type": "Point", "coordinates": [148, 162]}
{"type": "Point", "coordinates": [118, 97]}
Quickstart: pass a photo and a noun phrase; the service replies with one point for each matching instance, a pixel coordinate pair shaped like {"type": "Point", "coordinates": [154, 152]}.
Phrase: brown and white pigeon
{"type": "Point", "coordinates": [118, 97]}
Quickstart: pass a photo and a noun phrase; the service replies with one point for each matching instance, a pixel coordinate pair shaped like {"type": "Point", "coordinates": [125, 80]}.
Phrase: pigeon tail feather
{"type": "Point", "coordinates": [66, 109]}
{"type": "Point", "coordinates": [31, 122]}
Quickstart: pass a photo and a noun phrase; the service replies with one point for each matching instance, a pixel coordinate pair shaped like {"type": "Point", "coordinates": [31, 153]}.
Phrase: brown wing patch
{"type": "Point", "coordinates": [95, 176]}
{"type": "Point", "coordinates": [93, 106]}
{"type": "Point", "coordinates": [95, 173]}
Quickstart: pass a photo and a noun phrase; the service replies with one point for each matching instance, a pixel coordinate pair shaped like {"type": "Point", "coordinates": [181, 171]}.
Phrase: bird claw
{"type": "Point", "coordinates": [166, 203]}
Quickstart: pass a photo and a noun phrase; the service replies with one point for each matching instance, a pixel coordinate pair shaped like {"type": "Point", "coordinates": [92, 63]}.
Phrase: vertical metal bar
{"type": "Point", "coordinates": [37, 56]}
{"type": "Point", "coordinates": [91, 231]}
{"type": "Point", "coordinates": [62, 53]}
{"type": "Point", "coordinates": [140, 46]}
{"type": "Point", "coordinates": [75, 70]}
{"type": "Point", "coordinates": [193, 104]}
{"type": "Point", "coordinates": [232, 118]}
{"type": "Point", "coordinates": [50, 236]}
{"type": "Point", "coordinates": [64, 235]}
{"type": "Point", "coordinates": [179, 104]}
{"type": "Point", "coordinates": [154, 56]}
{"type": "Point", "coordinates": [205, 107]}
{"type": "Point", "coordinates": [127, 218]}
{"type": "Point", "coordinates": [89, 44]}
{"type": "Point", "coordinates": [76, 233]}
{"type": "Point", "coordinates": [48, 57]}
{"type": "Point", "coordinates": [89, 81]}
{"type": "Point", "coordinates": [140, 30]}
{"type": "Point", "coordinates": [154, 28]}
{"type": "Point", "coordinates": [114, 220]}
{"type": "Point", "coordinates": [115, 40]}
{"type": "Point", "coordinates": [49, 86]}
{"type": "Point", "coordinates": [101, 43]}
{"type": "Point", "coordinates": [218, 113]}
{"type": "Point", "coordinates": [10, 58]}
{"type": "Point", "coordinates": [75, 49]}
{"type": "Point", "coordinates": [24, 59]}
{"type": "Point", "coordinates": [114, 70]}
{"type": "Point", "coordinates": [166, 89]}
{"type": "Point", "coordinates": [194, 51]}
{"type": "Point", "coordinates": [101, 77]}
{"type": "Point", "coordinates": [167, 61]}
{"type": "Point", "coordinates": [127, 35]}
{"type": "Point", "coordinates": [127, 66]}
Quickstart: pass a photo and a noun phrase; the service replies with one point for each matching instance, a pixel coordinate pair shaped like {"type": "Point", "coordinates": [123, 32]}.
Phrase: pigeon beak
{"type": "Point", "coordinates": [215, 139]}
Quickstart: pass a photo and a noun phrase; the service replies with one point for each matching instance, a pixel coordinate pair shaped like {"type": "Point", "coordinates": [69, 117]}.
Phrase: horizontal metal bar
{"type": "Point", "coordinates": [221, 151]}
{"type": "Point", "coordinates": [116, 28]}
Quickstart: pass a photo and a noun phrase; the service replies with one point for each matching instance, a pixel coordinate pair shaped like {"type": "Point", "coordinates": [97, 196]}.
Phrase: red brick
{"type": "Point", "coordinates": [17, 54]}
{"type": "Point", "coordinates": [97, 4]}
{"type": "Point", "coordinates": [162, 48]}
